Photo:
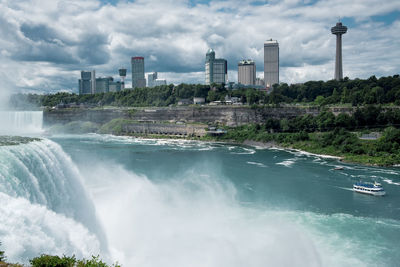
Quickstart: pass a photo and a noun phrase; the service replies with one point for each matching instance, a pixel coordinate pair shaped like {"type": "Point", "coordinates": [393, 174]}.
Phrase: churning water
{"type": "Point", "coordinates": [181, 203]}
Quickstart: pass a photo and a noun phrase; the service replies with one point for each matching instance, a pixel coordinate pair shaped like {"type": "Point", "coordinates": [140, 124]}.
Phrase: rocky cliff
{"type": "Point", "coordinates": [226, 115]}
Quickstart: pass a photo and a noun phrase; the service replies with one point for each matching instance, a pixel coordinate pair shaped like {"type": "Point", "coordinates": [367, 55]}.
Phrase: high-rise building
{"type": "Point", "coordinates": [103, 84]}
{"type": "Point", "coordinates": [338, 30]}
{"type": "Point", "coordinates": [138, 79]}
{"type": "Point", "coordinates": [247, 72]}
{"type": "Point", "coordinates": [122, 74]}
{"type": "Point", "coordinates": [271, 63]}
{"type": "Point", "coordinates": [115, 86]}
{"type": "Point", "coordinates": [151, 77]}
{"type": "Point", "coordinates": [87, 82]}
{"type": "Point", "coordinates": [216, 69]}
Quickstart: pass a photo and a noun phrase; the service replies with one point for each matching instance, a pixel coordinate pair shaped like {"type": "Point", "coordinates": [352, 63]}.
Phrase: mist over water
{"type": "Point", "coordinates": [194, 220]}
{"type": "Point", "coordinates": [183, 203]}
{"type": "Point", "coordinates": [202, 204]}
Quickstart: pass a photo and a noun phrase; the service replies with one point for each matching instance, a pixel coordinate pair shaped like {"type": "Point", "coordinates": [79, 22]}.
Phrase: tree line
{"type": "Point", "coordinates": [385, 90]}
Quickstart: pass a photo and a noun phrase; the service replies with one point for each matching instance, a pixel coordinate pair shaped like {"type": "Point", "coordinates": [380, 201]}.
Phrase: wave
{"type": "Point", "coordinates": [259, 164]}
{"type": "Point", "coordinates": [287, 163]}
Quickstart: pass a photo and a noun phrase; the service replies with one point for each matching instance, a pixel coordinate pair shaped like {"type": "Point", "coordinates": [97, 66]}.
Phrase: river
{"type": "Point", "coordinates": [185, 203]}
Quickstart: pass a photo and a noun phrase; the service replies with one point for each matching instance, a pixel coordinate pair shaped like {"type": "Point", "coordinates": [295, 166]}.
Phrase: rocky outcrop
{"type": "Point", "coordinates": [226, 115]}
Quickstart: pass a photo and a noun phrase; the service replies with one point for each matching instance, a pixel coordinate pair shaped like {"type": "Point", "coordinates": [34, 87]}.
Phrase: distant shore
{"type": "Point", "coordinates": [252, 143]}
{"type": "Point", "coordinates": [269, 145]}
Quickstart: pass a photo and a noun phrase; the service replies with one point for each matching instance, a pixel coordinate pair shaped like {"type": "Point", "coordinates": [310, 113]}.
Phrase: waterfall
{"type": "Point", "coordinates": [42, 178]}
{"type": "Point", "coordinates": [21, 122]}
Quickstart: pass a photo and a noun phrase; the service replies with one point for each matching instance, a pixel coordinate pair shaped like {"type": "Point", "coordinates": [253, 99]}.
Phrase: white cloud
{"type": "Point", "coordinates": [45, 43]}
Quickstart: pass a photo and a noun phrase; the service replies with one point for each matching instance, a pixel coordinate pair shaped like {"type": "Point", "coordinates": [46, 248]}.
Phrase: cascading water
{"type": "Point", "coordinates": [41, 191]}
{"type": "Point", "coordinates": [176, 203]}
{"type": "Point", "coordinates": [21, 122]}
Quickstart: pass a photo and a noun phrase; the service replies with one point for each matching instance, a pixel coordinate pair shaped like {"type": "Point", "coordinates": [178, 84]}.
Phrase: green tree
{"type": "Point", "coordinates": [212, 96]}
{"type": "Point", "coordinates": [53, 261]}
{"type": "Point", "coordinates": [2, 256]}
{"type": "Point", "coordinates": [319, 100]}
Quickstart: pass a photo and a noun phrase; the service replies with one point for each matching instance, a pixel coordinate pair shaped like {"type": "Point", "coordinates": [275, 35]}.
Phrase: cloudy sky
{"type": "Point", "coordinates": [45, 43]}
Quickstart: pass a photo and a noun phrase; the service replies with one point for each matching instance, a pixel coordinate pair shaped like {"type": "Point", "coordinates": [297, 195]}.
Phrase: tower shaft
{"type": "Point", "coordinates": [338, 64]}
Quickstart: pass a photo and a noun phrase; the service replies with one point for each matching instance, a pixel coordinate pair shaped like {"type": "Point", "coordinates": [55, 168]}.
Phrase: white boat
{"type": "Point", "coordinates": [374, 189]}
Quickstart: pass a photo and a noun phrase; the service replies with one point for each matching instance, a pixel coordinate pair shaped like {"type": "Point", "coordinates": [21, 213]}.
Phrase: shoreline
{"type": "Point", "coordinates": [274, 145]}
{"type": "Point", "coordinates": [252, 143]}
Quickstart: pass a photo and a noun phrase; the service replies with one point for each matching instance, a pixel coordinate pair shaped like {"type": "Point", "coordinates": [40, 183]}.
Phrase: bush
{"type": "Point", "coordinates": [53, 261]}
{"type": "Point", "coordinates": [56, 261]}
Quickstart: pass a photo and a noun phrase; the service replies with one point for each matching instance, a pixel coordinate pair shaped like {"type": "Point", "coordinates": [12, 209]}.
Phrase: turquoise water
{"type": "Point", "coordinates": [185, 203]}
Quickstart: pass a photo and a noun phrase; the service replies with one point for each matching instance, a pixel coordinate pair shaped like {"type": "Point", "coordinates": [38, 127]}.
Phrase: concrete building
{"type": "Point", "coordinates": [152, 80]}
{"type": "Point", "coordinates": [115, 86]}
{"type": "Point", "coordinates": [87, 82]}
{"type": "Point", "coordinates": [271, 63]}
{"type": "Point", "coordinates": [247, 72]}
{"type": "Point", "coordinates": [199, 100]}
{"type": "Point", "coordinates": [260, 81]}
{"type": "Point", "coordinates": [151, 77]}
{"type": "Point", "coordinates": [107, 84]}
{"type": "Point", "coordinates": [338, 30]}
{"type": "Point", "coordinates": [216, 69]}
{"type": "Point", "coordinates": [103, 84]}
{"type": "Point", "coordinates": [138, 79]}
{"type": "Point", "coordinates": [159, 82]}
{"type": "Point", "coordinates": [122, 74]}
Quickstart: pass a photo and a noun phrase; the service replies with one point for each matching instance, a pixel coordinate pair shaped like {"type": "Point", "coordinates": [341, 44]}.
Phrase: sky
{"type": "Point", "coordinates": [44, 44]}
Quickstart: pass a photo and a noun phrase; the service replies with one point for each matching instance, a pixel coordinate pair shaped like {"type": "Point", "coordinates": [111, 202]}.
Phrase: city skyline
{"type": "Point", "coordinates": [45, 44]}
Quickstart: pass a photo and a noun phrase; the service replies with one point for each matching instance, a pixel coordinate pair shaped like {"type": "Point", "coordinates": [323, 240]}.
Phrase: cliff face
{"type": "Point", "coordinates": [64, 116]}
{"type": "Point", "coordinates": [165, 129]}
{"type": "Point", "coordinates": [231, 116]}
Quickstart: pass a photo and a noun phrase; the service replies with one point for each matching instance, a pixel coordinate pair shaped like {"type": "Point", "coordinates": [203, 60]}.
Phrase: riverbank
{"type": "Point", "coordinates": [344, 145]}
{"type": "Point", "coordinates": [340, 143]}
{"type": "Point", "coordinates": [251, 143]}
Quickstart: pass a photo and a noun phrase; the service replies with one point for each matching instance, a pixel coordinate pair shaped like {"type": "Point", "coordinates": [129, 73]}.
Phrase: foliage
{"type": "Point", "coordinates": [56, 261]}
{"type": "Point", "coordinates": [385, 90]}
{"type": "Point", "coordinates": [94, 262]}
{"type": "Point", "coordinates": [2, 256]}
{"type": "Point", "coordinates": [336, 142]}
{"type": "Point", "coordinates": [53, 261]}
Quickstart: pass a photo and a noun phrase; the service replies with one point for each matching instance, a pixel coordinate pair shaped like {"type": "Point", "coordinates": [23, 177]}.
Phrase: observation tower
{"type": "Point", "coordinates": [339, 30]}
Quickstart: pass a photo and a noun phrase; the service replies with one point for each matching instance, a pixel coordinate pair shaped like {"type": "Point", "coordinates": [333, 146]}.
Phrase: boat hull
{"type": "Point", "coordinates": [373, 193]}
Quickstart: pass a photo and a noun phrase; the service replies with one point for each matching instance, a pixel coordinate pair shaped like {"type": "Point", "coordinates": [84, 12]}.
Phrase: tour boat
{"type": "Point", "coordinates": [375, 188]}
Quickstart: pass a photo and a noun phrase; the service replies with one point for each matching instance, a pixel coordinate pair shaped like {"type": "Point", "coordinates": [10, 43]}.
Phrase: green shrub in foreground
{"type": "Point", "coordinates": [53, 261]}
{"type": "Point", "coordinates": [56, 261]}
